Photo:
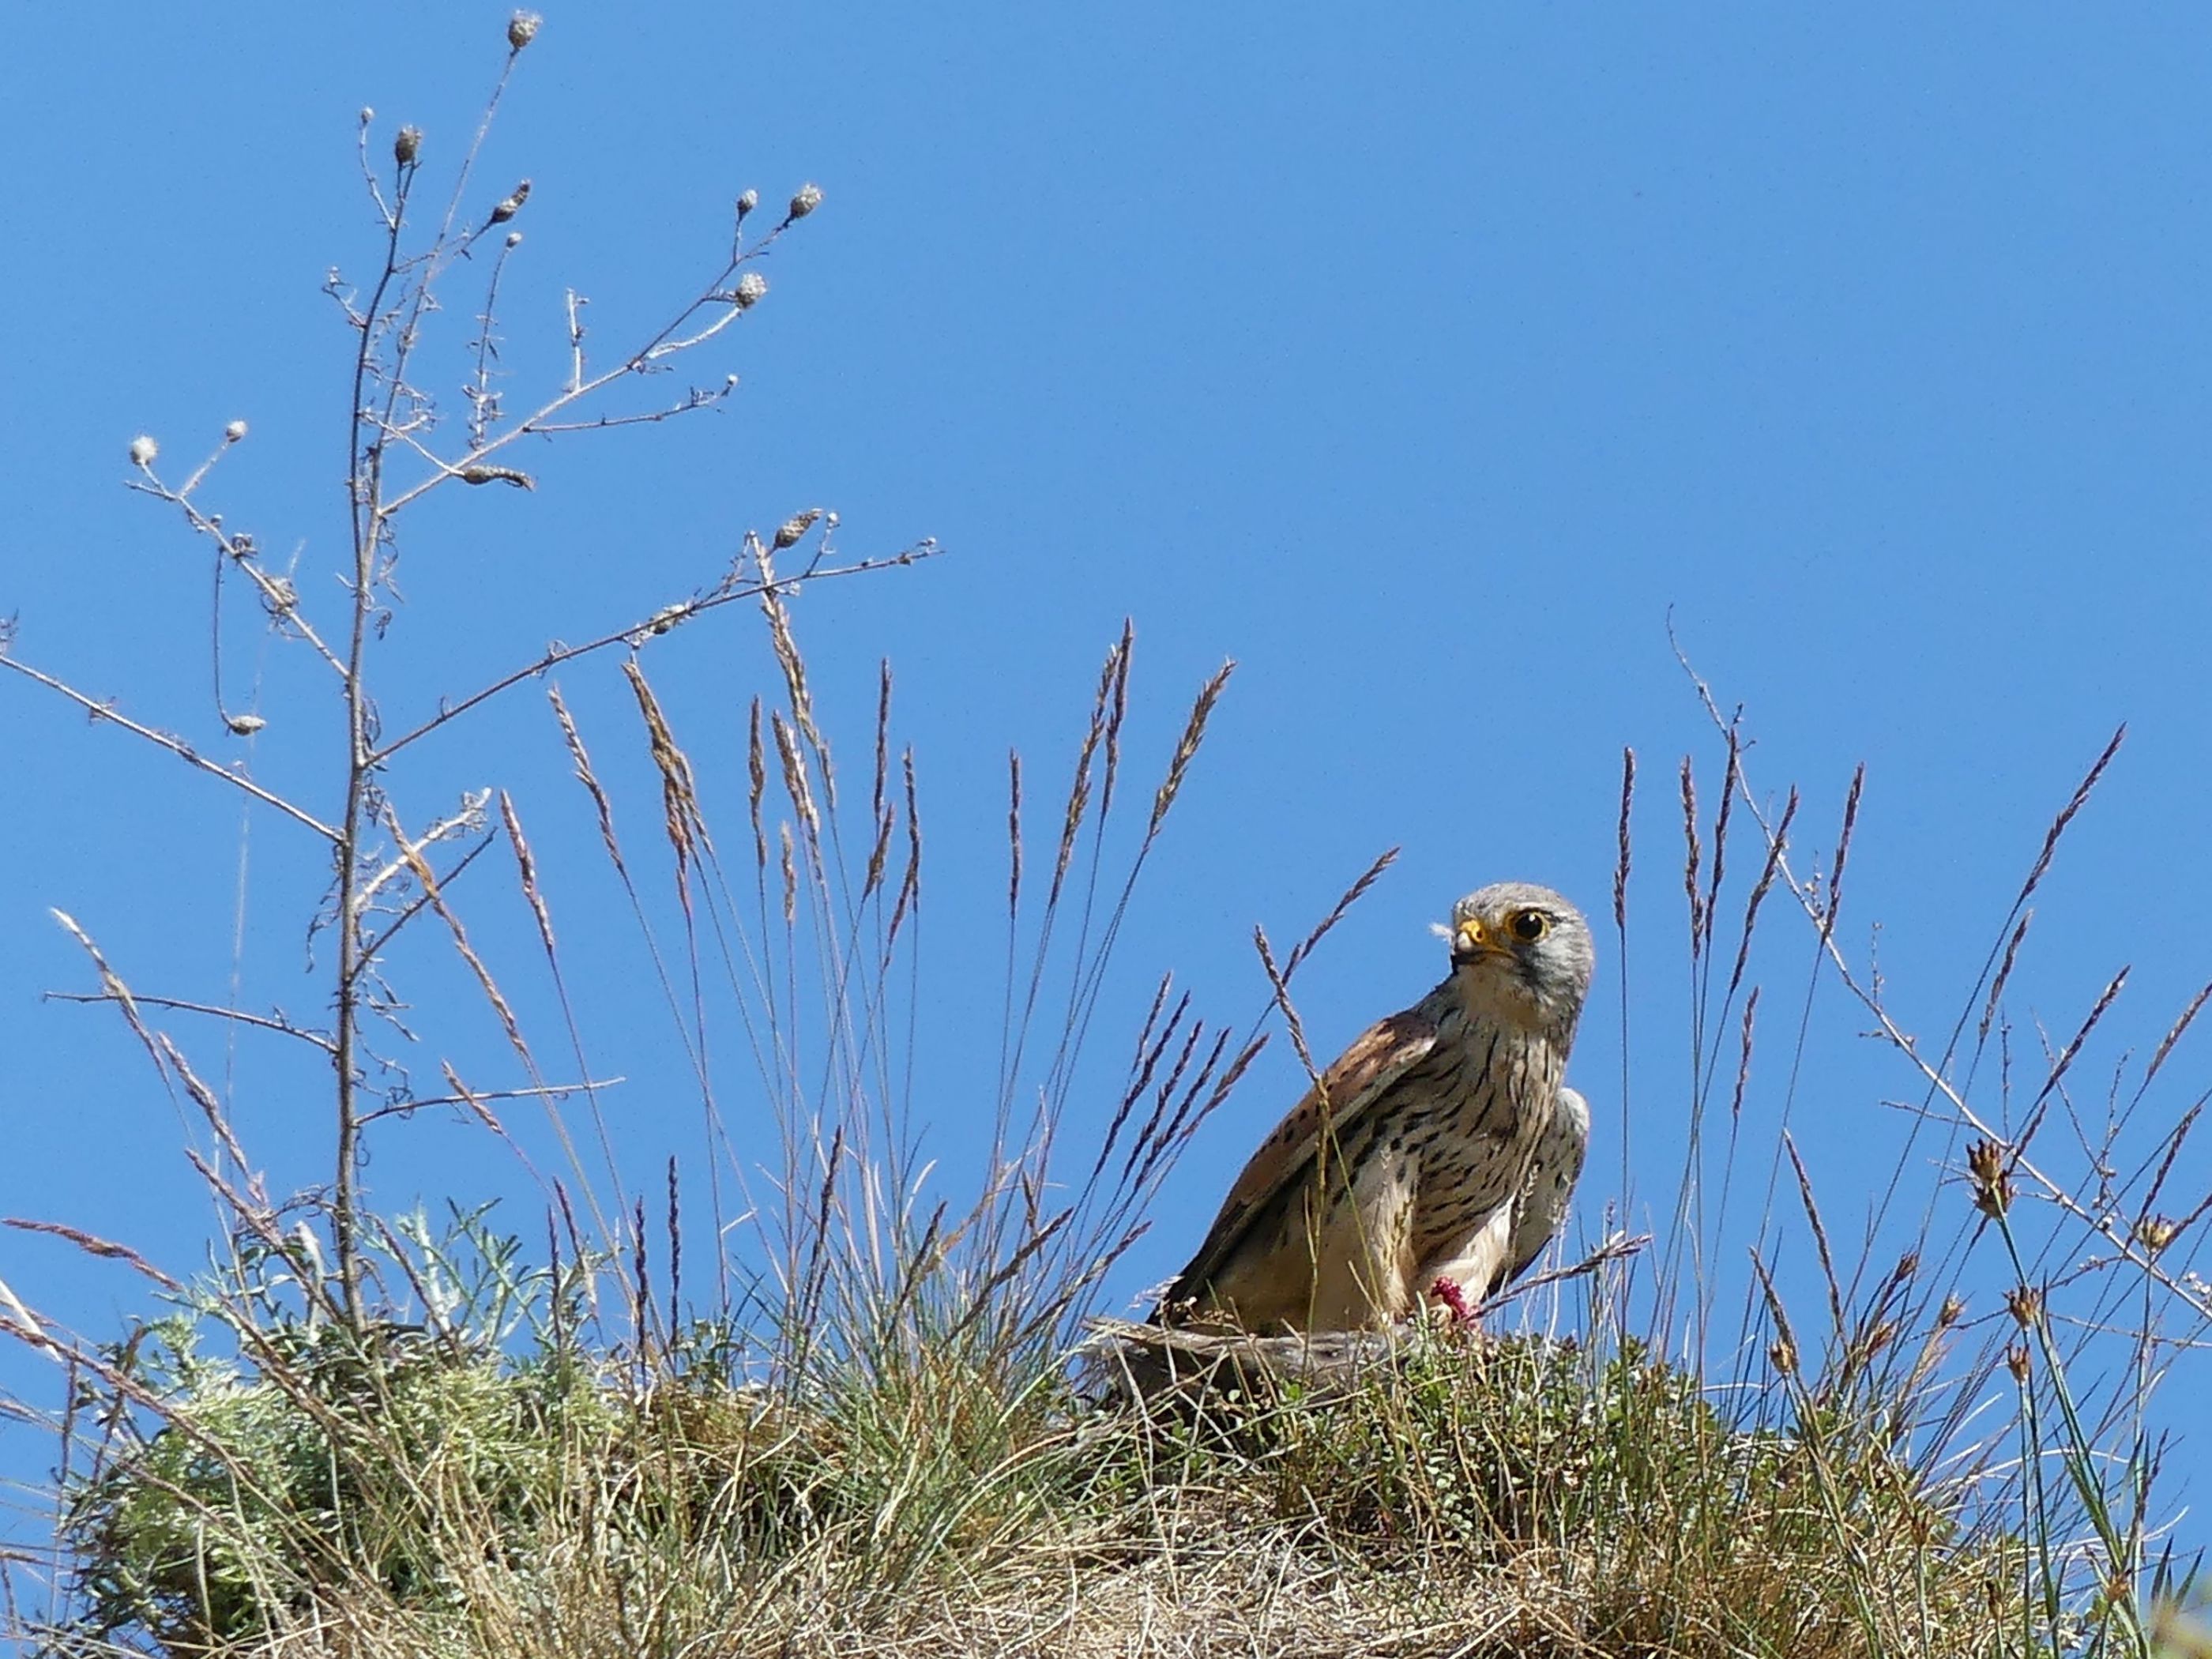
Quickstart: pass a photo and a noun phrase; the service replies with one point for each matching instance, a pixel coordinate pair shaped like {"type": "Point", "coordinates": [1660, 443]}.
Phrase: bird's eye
{"type": "Point", "coordinates": [1529, 925]}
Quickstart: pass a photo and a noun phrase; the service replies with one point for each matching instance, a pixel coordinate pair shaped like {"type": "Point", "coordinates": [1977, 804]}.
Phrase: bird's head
{"type": "Point", "coordinates": [1524, 946]}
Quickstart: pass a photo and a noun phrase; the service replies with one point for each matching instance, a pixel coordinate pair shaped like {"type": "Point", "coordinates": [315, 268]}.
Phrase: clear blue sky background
{"type": "Point", "coordinates": [1423, 365]}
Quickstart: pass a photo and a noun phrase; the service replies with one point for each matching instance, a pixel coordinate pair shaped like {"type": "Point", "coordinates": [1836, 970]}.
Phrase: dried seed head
{"type": "Point", "coordinates": [233, 432]}
{"type": "Point", "coordinates": [808, 198]}
{"type": "Point", "coordinates": [513, 206]}
{"type": "Point", "coordinates": [747, 202]}
{"type": "Point", "coordinates": [483, 472]}
{"type": "Point", "coordinates": [1782, 1356]}
{"type": "Point", "coordinates": [522, 28]}
{"type": "Point", "coordinates": [514, 238]}
{"type": "Point", "coordinates": [2155, 1232]}
{"type": "Point", "coordinates": [245, 725]}
{"type": "Point", "coordinates": [788, 533]}
{"type": "Point", "coordinates": [143, 449]}
{"type": "Point", "coordinates": [2017, 1363]}
{"type": "Point", "coordinates": [407, 146]}
{"type": "Point", "coordinates": [2025, 1303]}
{"type": "Point", "coordinates": [750, 289]}
{"type": "Point", "coordinates": [1986, 1168]}
{"type": "Point", "coordinates": [1953, 1310]}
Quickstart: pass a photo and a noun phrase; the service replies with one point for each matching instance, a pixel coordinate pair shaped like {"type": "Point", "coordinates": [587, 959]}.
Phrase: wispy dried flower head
{"type": "Point", "coordinates": [2017, 1363]}
{"type": "Point", "coordinates": [143, 449]}
{"type": "Point", "coordinates": [513, 206]}
{"type": "Point", "coordinates": [514, 238]}
{"type": "Point", "coordinates": [2155, 1232]}
{"type": "Point", "coordinates": [407, 146]}
{"type": "Point", "coordinates": [2025, 1303]}
{"type": "Point", "coordinates": [752, 287]}
{"type": "Point", "coordinates": [233, 432]}
{"type": "Point", "coordinates": [747, 202]}
{"type": "Point", "coordinates": [522, 28]}
{"type": "Point", "coordinates": [245, 725]}
{"type": "Point", "coordinates": [1992, 1183]}
{"type": "Point", "coordinates": [808, 198]}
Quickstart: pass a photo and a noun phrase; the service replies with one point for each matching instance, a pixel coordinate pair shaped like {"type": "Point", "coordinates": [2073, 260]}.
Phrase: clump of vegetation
{"type": "Point", "coordinates": [421, 1489]}
{"type": "Point", "coordinates": [880, 1421]}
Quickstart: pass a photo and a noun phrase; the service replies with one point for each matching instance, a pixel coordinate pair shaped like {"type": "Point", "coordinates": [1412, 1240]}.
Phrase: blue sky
{"type": "Point", "coordinates": [1424, 365]}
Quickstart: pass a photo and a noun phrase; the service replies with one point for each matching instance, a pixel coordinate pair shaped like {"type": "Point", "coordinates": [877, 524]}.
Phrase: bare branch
{"type": "Point", "coordinates": [697, 397]}
{"type": "Point", "coordinates": [176, 745]}
{"type": "Point", "coordinates": [546, 1092]}
{"type": "Point", "coordinates": [635, 634]}
{"type": "Point", "coordinates": [374, 948]}
{"type": "Point", "coordinates": [468, 820]}
{"type": "Point", "coordinates": [729, 303]}
{"type": "Point", "coordinates": [263, 1022]}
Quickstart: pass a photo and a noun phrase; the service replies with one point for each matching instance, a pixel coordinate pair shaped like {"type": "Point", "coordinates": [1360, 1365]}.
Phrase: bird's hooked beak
{"type": "Point", "coordinates": [1471, 941]}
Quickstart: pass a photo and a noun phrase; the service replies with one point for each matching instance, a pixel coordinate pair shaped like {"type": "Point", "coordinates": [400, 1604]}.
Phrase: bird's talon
{"type": "Point", "coordinates": [1448, 1293]}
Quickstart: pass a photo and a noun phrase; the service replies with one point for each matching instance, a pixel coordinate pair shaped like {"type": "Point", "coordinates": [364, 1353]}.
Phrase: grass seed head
{"type": "Point", "coordinates": [1986, 1168]}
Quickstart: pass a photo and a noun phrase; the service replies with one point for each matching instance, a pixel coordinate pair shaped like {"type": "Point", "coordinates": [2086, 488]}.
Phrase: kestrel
{"type": "Point", "coordinates": [1443, 1146]}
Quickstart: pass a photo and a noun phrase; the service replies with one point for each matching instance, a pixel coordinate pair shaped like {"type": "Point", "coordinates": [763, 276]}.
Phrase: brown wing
{"type": "Point", "coordinates": [1350, 1087]}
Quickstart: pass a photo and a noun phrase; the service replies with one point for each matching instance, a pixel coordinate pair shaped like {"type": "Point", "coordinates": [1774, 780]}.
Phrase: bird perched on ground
{"type": "Point", "coordinates": [1437, 1154]}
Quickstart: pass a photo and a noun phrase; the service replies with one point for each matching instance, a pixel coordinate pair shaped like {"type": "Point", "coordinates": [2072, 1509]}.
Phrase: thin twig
{"type": "Point", "coordinates": [659, 622]}
{"type": "Point", "coordinates": [176, 745]}
{"type": "Point", "coordinates": [474, 1099]}
{"type": "Point", "coordinates": [279, 1024]}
